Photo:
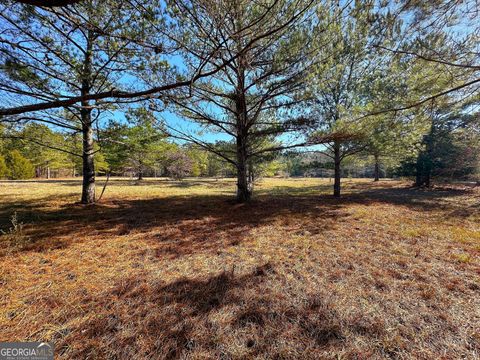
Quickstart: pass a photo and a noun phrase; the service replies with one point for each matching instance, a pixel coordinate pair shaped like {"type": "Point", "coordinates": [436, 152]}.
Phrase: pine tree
{"type": "Point", "coordinates": [343, 38]}
{"type": "Point", "coordinates": [254, 97]}
{"type": "Point", "coordinates": [83, 52]}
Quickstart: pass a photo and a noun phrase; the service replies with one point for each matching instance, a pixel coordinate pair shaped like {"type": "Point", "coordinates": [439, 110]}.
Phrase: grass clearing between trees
{"type": "Point", "coordinates": [175, 269]}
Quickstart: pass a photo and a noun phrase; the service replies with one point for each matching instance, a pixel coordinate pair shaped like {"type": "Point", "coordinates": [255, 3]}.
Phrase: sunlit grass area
{"type": "Point", "coordinates": [176, 269]}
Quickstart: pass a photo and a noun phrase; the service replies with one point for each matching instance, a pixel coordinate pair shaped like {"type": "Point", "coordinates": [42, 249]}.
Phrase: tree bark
{"type": "Point", "coordinates": [377, 169]}
{"type": "Point", "coordinates": [337, 161]}
{"type": "Point", "coordinates": [243, 189]}
{"type": "Point", "coordinates": [88, 185]}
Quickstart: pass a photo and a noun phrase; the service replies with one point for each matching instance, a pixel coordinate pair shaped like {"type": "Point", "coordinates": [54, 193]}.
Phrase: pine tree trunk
{"type": "Point", "coordinates": [243, 190]}
{"type": "Point", "coordinates": [377, 169]}
{"type": "Point", "coordinates": [337, 161]}
{"type": "Point", "coordinates": [88, 151]}
{"type": "Point", "coordinates": [88, 185]}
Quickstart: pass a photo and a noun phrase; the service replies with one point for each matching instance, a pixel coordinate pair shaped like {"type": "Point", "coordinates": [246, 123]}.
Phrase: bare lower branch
{"type": "Point", "coordinates": [49, 3]}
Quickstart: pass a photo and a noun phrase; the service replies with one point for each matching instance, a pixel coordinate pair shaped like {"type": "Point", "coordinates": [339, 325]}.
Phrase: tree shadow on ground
{"type": "Point", "coordinates": [153, 319]}
{"type": "Point", "coordinates": [259, 313]}
{"type": "Point", "coordinates": [186, 224]}
{"type": "Point", "coordinates": [387, 192]}
{"type": "Point", "coordinates": [178, 224]}
{"type": "Point", "coordinates": [420, 199]}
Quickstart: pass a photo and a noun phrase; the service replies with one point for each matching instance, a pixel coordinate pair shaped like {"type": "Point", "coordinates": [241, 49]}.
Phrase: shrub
{"type": "Point", "coordinates": [19, 166]}
{"type": "Point", "coordinates": [3, 168]}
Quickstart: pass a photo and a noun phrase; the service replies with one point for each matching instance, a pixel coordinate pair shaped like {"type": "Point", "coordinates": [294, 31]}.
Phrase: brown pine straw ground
{"type": "Point", "coordinates": [167, 270]}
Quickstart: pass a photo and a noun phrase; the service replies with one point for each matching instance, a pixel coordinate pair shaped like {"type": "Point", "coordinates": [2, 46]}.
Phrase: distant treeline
{"type": "Point", "coordinates": [141, 152]}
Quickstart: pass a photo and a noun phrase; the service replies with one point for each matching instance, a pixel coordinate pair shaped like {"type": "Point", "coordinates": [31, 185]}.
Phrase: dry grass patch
{"type": "Point", "coordinates": [165, 269]}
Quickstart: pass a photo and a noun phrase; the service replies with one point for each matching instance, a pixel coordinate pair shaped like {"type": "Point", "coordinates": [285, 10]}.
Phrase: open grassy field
{"type": "Point", "coordinates": [163, 269]}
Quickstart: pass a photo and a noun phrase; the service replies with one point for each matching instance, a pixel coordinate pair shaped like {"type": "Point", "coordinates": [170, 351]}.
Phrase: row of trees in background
{"type": "Point", "coordinates": [385, 82]}
{"type": "Point", "coordinates": [137, 155]}
{"type": "Point", "coordinates": [141, 150]}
